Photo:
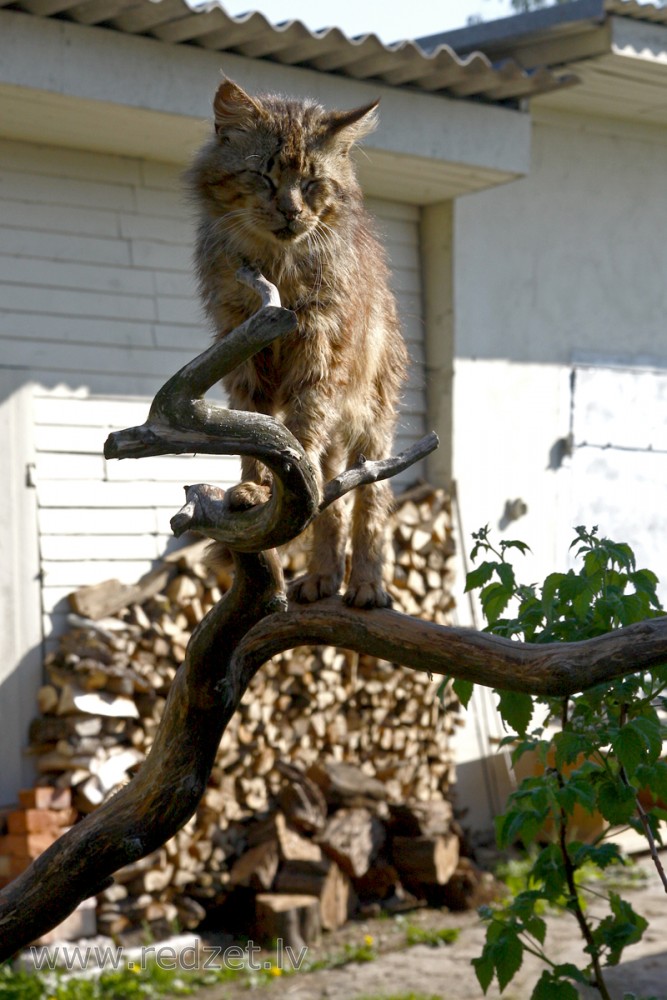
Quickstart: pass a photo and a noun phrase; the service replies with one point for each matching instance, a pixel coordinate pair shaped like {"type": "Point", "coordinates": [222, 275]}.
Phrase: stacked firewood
{"type": "Point", "coordinates": [276, 820]}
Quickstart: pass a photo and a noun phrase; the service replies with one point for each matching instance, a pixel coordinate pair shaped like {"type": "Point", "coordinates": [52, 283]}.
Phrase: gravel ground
{"type": "Point", "coordinates": [445, 972]}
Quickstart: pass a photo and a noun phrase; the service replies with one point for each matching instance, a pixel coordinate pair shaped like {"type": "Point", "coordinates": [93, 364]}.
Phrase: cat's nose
{"type": "Point", "coordinates": [292, 213]}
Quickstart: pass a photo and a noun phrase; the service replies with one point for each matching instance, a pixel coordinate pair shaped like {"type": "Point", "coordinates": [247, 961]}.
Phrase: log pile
{"type": "Point", "coordinates": [329, 788]}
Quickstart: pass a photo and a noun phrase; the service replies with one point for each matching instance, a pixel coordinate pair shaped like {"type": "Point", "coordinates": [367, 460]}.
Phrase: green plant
{"type": "Point", "coordinates": [597, 751]}
{"type": "Point", "coordinates": [432, 936]}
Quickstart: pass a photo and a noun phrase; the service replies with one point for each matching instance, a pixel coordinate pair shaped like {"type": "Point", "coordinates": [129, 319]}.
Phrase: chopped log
{"type": "Point", "coordinates": [422, 819]}
{"type": "Point", "coordinates": [342, 783]}
{"type": "Point", "coordinates": [257, 868]}
{"type": "Point", "coordinates": [104, 599]}
{"type": "Point", "coordinates": [425, 860]}
{"type": "Point", "coordinates": [292, 845]}
{"type": "Point", "coordinates": [468, 888]}
{"type": "Point", "coordinates": [301, 800]}
{"type": "Point", "coordinates": [353, 838]}
{"type": "Point", "coordinates": [380, 881]}
{"type": "Point", "coordinates": [327, 882]}
{"type": "Point", "coordinates": [294, 919]}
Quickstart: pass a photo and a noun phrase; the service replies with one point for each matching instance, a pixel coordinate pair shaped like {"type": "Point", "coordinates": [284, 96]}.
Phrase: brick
{"type": "Point", "coordinates": [40, 820]}
{"type": "Point", "coordinates": [45, 797]}
{"type": "Point", "coordinates": [26, 845]}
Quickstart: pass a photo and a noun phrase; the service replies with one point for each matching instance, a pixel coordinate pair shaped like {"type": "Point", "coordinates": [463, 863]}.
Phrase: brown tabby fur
{"type": "Point", "coordinates": [276, 190]}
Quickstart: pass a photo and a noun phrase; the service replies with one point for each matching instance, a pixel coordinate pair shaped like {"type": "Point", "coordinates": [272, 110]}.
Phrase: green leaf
{"type": "Point", "coordinates": [514, 543]}
{"type": "Point", "coordinates": [616, 801]}
{"type": "Point", "coordinates": [516, 709]}
{"type": "Point", "coordinates": [463, 690]}
{"type": "Point", "coordinates": [649, 728]}
{"type": "Point", "coordinates": [601, 855]}
{"type": "Point", "coordinates": [630, 748]}
{"type": "Point", "coordinates": [506, 574]}
{"type": "Point", "coordinates": [494, 597]}
{"type": "Point", "coordinates": [519, 824]}
{"type": "Point", "coordinates": [550, 588]}
{"type": "Point", "coordinates": [537, 928]}
{"type": "Point", "coordinates": [623, 928]}
{"type": "Point", "coordinates": [570, 745]}
{"type": "Point", "coordinates": [551, 988]}
{"type": "Point", "coordinates": [508, 955]}
{"type": "Point", "coordinates": [484, 968]}
{"type": "Point", "coordinates": [482, 574]}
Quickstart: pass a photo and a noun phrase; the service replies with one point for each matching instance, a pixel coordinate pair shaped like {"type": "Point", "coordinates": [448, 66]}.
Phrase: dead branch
{"type": "Point", "coordinates": [555, 669]}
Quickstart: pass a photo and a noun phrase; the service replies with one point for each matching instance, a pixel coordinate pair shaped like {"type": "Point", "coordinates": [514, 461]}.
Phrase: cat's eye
{"type": "Point", "coordinates": [268, 181]}
{"type": "Point", "coordinates": [311, 186]}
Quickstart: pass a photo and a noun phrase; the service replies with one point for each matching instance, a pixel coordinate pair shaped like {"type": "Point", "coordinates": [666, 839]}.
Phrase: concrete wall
{"type": "Point", "coordinates": [560, 312]}
{"type": "Point", "coordinates": [565, 268]}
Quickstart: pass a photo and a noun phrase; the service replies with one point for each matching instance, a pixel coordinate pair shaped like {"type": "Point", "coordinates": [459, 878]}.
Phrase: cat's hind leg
{"type": "Point", "coordinates": [326, 565]}
{"type": "Point", "coordinates": [372, 505]}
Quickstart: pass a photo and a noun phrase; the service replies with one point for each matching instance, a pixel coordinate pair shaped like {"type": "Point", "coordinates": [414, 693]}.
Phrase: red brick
{"type": "Point", "coordinates": [45, 797]}
{"type": "Point", "coordinates": [26, 845]}
{"type": "Point", "coordinates": [40, 820]}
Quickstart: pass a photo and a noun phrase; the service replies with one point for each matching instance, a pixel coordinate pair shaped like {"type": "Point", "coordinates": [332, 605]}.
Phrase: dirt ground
{"type": "Point", "coordinates": [445, 972]}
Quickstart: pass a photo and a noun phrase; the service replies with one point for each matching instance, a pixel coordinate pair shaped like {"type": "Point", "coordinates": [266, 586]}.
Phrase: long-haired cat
{"type": "Point", "coordinates": [276, 190]}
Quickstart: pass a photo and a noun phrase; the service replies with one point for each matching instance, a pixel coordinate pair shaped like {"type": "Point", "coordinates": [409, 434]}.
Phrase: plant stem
{"type": "Point", "coordinates": [575, 905]}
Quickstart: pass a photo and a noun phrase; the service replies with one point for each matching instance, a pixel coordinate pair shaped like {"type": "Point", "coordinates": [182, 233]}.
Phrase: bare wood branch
{"type": "Point", "coordinates": [365, 472]}
{"type": "Point", "coordinates": [554, 669]}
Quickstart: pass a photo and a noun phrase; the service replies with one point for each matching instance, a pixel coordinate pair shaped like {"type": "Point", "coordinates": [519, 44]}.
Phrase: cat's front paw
{"type": "Point", "coordinates": [246, 495]}
{"type": "Point", "coordinates": [367, 595]}
{"type": "Point", "coordinates": [313, 587]}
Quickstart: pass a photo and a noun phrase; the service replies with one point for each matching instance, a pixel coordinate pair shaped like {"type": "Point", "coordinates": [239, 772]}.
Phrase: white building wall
{"type": "Point", "coordinates": [560, 309]}
{"type": "Point", "coordinates": [565, 267]}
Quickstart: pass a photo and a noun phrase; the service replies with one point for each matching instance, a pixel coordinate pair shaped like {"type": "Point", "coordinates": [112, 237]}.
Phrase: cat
{"type": "Point", "coordinates": [276, 189]}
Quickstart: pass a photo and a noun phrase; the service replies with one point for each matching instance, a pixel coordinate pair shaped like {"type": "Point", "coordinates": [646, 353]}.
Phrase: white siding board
{"type": "Point", "coordinates": [69, 467]}
{"type": "Point", "coordinates": [110, 521]}
{"type": "Point", "coordinates": [59, 219]}
{"type": "Point", "coordinates": [77, 329]}
{"type": "Point", "coordinates": [83, 574]}
{"type": "Point", "coordinates": [120, 494]}
{"type": "Point", "coordinates": [183, 335]}
{"type": "Point", "coordinates": [55, 408]}
{"type": "Point", "coordinates": [120, 280]}
{"type": "Point", "coordinates": [164, 256]}
{"type": "Point", "coordinates": [156, 227]}
{"type": "Point", "coordinates": [183, 469]}
{"type": "Point", "coordinates": [81, 359]}
{"type": "Point", "coordinates": [63, 162]}
{"type": "Point", "coordinates": [109, 548]}
{"type": "Point", "coordinates": [51, 243]}
{"type": "Point", "coordinates": [65, 302]}
{"type": "Point", "coordinates": [43, 189]}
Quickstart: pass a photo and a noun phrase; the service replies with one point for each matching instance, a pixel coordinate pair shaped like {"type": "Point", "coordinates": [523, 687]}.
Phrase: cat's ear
{"type": "Point", "coordinates": [348, 127]}
{"type": "Point", "coordinates": [233, 108]}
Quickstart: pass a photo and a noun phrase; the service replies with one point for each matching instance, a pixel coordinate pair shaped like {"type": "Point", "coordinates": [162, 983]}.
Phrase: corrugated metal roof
{"type": "Point", "coordinates": [638, 11]}
{"type": "Point", "coordinates": [408, 64]}
{"type": "Point", "coordinates": [544, 37]}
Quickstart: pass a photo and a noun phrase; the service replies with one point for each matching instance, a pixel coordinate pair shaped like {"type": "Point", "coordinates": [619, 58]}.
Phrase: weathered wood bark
{"type": "Point", "coordinates": [252, 622]}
